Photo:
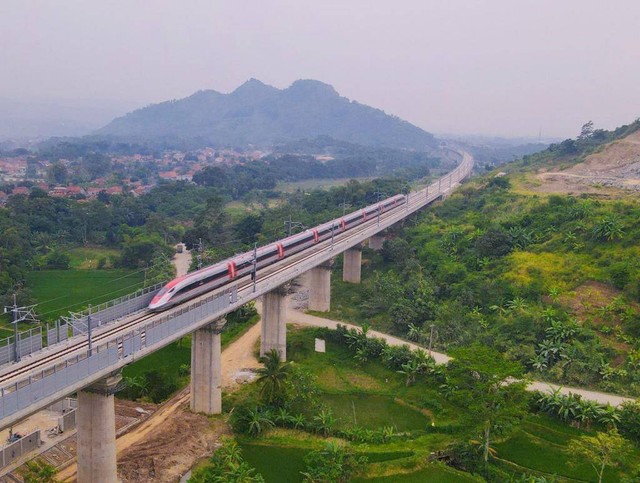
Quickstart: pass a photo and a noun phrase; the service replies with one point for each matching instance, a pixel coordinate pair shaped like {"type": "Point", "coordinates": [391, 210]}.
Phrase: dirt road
{"type": "Point", "coordinates": [150, 451]}
{"type": "Point", "coordinates": [600, 397]}
{"type": "Point", "coordinates": [182, 261]}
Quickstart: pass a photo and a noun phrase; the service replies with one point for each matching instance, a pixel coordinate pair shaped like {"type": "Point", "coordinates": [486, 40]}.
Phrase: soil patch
{"type": "Point", "coordinates": [611, 171]}
{"type": "Point", "coordinates": [169, 450]}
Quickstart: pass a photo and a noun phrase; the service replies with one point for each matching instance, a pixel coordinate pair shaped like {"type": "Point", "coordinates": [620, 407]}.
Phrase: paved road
{"type": "Point", "coordinates": [294, 317]}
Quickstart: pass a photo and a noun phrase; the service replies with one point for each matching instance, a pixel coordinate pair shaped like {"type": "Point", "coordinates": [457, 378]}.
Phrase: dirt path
{"type": "Point", "coordinates": [182, 261]}
{"type": "Point", "coordinates": [294, 317]}
{"type": "Point", "coordinates": [148, 452]}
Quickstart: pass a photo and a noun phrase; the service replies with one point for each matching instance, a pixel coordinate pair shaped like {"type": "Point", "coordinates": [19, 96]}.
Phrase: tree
{"type": "Point", "coordinates": [490, 388]}
{"type": "Point", "coordinates": [273, 377]}
{"type": "Point", "coordinates": [586, 131]}
{"type": "Point", "coordinates": [602, 450]}
{"type": "Point", "coordinates": [57, 173]}
{"type": "Point", "coordinates": [324, 422]}
{"type": "Point", "coordinates": [411, 369]}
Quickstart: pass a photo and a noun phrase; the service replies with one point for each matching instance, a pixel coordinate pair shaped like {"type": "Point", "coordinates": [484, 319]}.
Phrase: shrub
{"type": "Point", "coordinates": [629, 425]}
{"type": "Point", "coordinates": [332, 464]}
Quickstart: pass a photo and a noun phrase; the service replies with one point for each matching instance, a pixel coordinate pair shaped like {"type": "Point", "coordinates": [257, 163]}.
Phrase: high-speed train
{"type": "Point", "coordinates": [196, 283]}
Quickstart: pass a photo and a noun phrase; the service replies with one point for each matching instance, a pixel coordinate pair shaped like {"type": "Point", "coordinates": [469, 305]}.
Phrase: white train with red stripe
{"type": "Point", "coordinates": [203, 280]}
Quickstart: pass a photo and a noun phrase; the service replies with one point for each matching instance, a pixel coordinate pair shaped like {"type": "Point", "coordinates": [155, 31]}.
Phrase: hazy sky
{"type": "Point", "coordinates": [504, 67]}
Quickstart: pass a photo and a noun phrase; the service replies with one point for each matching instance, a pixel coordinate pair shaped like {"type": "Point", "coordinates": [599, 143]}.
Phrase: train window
{"type": "Point", "coordinates": [197, 284]}
{"type": "Point", "coordinates": [300, 241]}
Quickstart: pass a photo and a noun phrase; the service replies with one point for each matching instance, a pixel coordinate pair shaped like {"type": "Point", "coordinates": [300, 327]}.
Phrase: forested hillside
{"type": "Point", "coordinates": [552, 281]}
{"type": "Point", "coordinates": [262, 115]}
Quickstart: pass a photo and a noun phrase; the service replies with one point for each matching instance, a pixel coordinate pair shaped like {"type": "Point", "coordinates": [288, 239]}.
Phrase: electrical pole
{"type": "Point", "coordinates": [344, 205]}
{"type": "Point", "coordinates": [89, 330]}
{"type": "Point", "coordinates": [293, 224]}
{"type": "Point", "coordinates": [199, 253]}
{"type": "Point", "coordinates": [333, 226]}
{"type": "Point", "coordinates": [20, 314]}
{"type": "Point", "coordinates": [255, 265]}
{"type": "Point", "coordinates": [378, 195]}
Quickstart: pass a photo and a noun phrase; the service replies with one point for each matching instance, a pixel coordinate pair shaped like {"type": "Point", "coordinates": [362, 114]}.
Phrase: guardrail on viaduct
{"type": "Point", "coordinates": [116, 347]}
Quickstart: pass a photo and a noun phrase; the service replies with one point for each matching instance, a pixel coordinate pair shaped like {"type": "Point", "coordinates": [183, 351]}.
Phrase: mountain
{"type": "Point", "coordinates": [263, 115]}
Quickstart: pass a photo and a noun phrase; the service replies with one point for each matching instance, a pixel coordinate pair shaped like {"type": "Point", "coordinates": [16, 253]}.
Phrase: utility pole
{"type": "Point", "coordinates": [293, 224]}
{"type": "Point", "coordinates": [199, 253]}
{"type": "Point", "coordinates": [89, 330]}
{"type": "Point", "coordinates": [333, 226]}
{"type": "Point", "coordinates": [20, 314]}
{"type": "Point", "coordinates": [255, 265]}
{"type": "Point", "coordinates": [378, 195]}
{"type": "Point", "coordinates": [344, 205]}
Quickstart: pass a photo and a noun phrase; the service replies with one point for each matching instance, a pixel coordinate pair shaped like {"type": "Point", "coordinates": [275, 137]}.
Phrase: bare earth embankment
{"type": "Point", "coordinates": [616, 166]}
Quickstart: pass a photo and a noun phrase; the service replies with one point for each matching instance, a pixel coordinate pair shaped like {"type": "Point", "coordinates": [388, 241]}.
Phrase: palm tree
{"type": "Point", "coordinates": [590, 411]}
{"type": "Point", "coordinates": [298, 421]}
{"type": "Point", "coordinates": [272, 377]}
{"type": "Point", "coordinates": [609, 228]}
{"type": "Point", "coordinates": [413, 332]}
{"type": "Point", "coordinates": [609, 416]}
{"type": "Point", "coordinates": [411, 369]}
{"type": "Point", "coordinates": [258, 422]}
{"type": "Point", "coordinates": [517, 303]}
{"type": "Point", "coordinates": [229, 452]}
{"type": "Point", "coordinates": [283, 417]}
{"type": "Point", "coordinates": [325, 421]}
{"type": "Point", "coordinates": [569, 407]}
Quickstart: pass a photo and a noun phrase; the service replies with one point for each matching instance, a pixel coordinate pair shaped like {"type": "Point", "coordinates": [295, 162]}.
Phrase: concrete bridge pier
{"type": "Point", "coordinates": [206, 369]}
{"type": "Point", "coordinates": [97, 432]}
{"type": "Point", "coordinates": [274, 323]}
{"type": "Point", "coordinates": [376, 242]}
{"type": "Point", "coordinates": [352, 265]}
{"type": "Point", "coordinates": [320, 287]}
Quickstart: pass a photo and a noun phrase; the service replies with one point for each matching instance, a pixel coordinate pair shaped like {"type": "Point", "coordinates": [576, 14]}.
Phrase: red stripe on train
{"type": "Point", "coordinates": [316, 237]}
{"type": "Point", "coordinates": [280, 250]}
{"type": "Point", "coordinates": [231, 268]}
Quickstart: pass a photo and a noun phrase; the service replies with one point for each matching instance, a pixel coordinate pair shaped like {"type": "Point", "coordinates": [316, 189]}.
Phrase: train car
{"type": "Point", "coordinates": [203, 280]}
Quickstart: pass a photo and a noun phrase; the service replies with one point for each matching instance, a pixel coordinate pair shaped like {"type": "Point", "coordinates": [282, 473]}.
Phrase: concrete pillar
{"type": "Point", "coordinates": [97, 432]}
{"type": "Point", "coordinates": [352, 265]}
{"type": "Point", "coordinates": [206, 369]}
{"type": "Point", "coordinates": [274, 322]}
{"type": "Point", "coordinates": [320, 287]}
{"type": "Point", "coordinates": [376, 242]}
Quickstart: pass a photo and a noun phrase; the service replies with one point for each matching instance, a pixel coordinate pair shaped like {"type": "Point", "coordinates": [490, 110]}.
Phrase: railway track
{"type": "Point", "coordinates": [245, 284]}
{"type": "Point", "coordinates": [50, 360]}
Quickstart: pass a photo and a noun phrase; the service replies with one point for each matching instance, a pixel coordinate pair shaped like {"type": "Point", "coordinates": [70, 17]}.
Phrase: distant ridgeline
{"type": "Point", "coordinates": [261, 115]}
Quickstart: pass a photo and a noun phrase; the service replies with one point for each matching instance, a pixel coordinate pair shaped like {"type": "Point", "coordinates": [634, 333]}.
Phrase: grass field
{"type": "Point", "coordinates": [314, 184]}
{"type": "Point", "coordinates": [86, 258]}
{"type": "Point", "coordinates": [432, 473]}
{"type": "Point", "coordinates": [374, 411]}
{"type": "Point", "coordinates": [380, 398]}
{"type": "Point", "coordinates": [59, 291]}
